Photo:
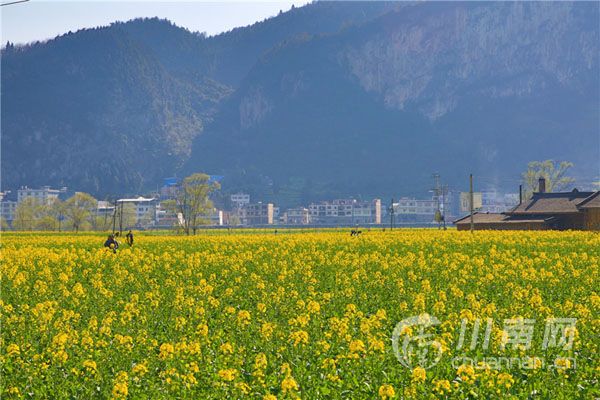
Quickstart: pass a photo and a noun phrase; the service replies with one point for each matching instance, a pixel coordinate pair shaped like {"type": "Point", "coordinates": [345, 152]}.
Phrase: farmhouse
{"type": "Point", "coordinates": [559, 211]}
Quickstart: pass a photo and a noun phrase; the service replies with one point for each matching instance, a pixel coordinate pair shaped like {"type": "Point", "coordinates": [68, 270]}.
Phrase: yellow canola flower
{"type": "Point", "coordinates": [243, 317]}
{"type": "Point", "coordinates": [243, 387]}
{"type": "Point", "coordinates": [357, 346]}
{"type": "Point", "coordinates": [289, 384]}
{"type": "Point", "coordinates": [173, 308]}
{"type": "Point", "coordinates": [418, 375]}
{"type": "Point", "coordinates": [139, 369]}
{"type": "Point", "coordinates": [13, 350]}
{"type": "Point", "coordinates": [90, 365]}
{"type": "Point", "coordinates": [387, 392]}
{"type": "Point", "coordinates": [121, 388]}
{"type": "Point", "coordinates": [166, 351]}
{"type": "Point", "coordinates": [227, 374]}
{"type": "Point", "coordinates": [299, 337]}
{"type": "Point", "coordinates": [442, 386]}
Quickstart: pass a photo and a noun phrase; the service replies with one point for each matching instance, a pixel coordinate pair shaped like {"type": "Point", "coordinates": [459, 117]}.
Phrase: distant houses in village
{"type": "Point", "coordinates": [338, 212]}
{"type": "Point", "coordinates": [9, 201]}
{"type": "Point", "coordinates": [563, 210]}
{"type": "Point", "coordinates": [346, 212]}
{"type": "Point", "coordinates": [545, 210]}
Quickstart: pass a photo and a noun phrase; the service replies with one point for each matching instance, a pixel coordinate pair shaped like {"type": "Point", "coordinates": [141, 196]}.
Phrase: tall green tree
{"type": "Point", "coordinates": [49, 216]}
{"type": "Point", "coordinates": [555, 175]}
{"type": "Point", "coordinates": [33, 214]}
{"type": "Point", "coordinates": [79, 210]}
{"type": "Point", "coordinates": [192, 202]}
{"type": "Point", "coordinates": [25, 214]}
{"type": "Point", "coordinates": [102, 222]}
{"type": "Point", "coordinates": [57, 210]}
{"type": "Point", "coordinates": [4, 225]}
{"type": "Point", "coordinates": [46, 221]}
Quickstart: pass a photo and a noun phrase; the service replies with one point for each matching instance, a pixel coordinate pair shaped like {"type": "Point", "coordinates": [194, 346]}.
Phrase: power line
{"type": "Point", "coordinates": [14, 2]}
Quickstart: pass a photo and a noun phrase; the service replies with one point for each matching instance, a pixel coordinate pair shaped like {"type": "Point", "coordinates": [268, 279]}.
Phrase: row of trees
{"type": "Point", "coordinates": [78, 213]}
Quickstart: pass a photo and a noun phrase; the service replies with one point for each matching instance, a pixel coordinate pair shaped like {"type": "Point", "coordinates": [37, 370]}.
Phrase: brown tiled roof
{"type": "Point", "coordinates": [551, 203]}
{"type": "Point", "coordinates": [493, 218]}
{"type": "Point", "coordinates": [592, 201]}
{"type": "Point", "coordinates": [515, 219]}
{"type": "Point", "coordinates": [479, 217]}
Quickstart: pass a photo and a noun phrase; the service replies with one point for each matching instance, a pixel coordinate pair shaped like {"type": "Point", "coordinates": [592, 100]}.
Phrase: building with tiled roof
{"type": "Point", "coordinates": [561, 211]}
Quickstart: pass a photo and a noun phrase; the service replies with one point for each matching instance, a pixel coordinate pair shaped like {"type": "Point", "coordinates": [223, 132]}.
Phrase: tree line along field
{"type": "Point", "coordinates": [307, 315]}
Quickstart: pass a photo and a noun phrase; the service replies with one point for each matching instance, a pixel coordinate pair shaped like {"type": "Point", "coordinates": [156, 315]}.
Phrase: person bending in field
{"type": "Point", "coordinates": [108, 241]}
{"type": "Point", "coordinates": [111, 243]}
{"type": "Point", "coordinates": [129, 238]}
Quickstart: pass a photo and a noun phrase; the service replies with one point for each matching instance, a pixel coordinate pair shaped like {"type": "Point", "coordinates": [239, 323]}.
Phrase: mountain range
{"type": "Point", "coordinates": [327, 100]}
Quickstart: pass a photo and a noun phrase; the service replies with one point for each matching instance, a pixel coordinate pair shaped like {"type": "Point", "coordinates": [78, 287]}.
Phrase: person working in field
{"type": "Point", "coordinates": [129, 238]}
{"type": "Point", "coordinates": [111, 243]}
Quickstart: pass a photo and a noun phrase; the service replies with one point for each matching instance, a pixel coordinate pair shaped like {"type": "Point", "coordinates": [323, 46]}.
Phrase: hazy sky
{"type": "Point", "coordinates": [45, 19]}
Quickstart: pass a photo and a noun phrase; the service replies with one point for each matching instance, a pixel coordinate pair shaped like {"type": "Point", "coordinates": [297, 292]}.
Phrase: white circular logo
{"type": "Point", "coordinates": [416, 347]}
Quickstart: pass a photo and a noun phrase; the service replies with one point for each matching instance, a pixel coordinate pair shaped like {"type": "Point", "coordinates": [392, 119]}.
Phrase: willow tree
{"type": "Point", "coordinates": [192, 202]}
{"type": "Point", "coordinates": [79, 210]}
{"type": "Point", "coordinates": [553, 173]}
{"type": "Point", "coordinates": [27, 214]}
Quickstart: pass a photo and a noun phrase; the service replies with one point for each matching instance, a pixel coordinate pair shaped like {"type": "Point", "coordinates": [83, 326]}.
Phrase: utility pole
{"type": "Point", "coordinates": [436, 176]}
{"type": "Point", "coordinates": [444, 191]}
{"type": "Point", "coordinates": [471, 202]}
{"type": "Point", "coordinates": [392, 215]}
{"type": "Point", "coordinates": [121, 219]}
{"type": "Point", "coordinates": [114, 216]}
{"type": "Point", "coordinates": [104, 225]}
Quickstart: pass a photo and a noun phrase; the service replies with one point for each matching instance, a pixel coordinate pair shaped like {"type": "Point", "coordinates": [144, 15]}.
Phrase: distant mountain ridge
{"type": "Point", "coordinates": [113, 110]}
{"type": "Point", "coordinates": [449, 87]}
{"type": "Point", "coordinates": [331, 99]}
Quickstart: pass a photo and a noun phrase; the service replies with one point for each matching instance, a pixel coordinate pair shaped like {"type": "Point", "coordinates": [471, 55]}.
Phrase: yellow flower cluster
{"type": "Point", "coordinates": [306, 315]}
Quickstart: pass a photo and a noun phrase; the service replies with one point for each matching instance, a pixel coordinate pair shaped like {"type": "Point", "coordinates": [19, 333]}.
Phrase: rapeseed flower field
{"type": "Point", "coordinates": [309, 315]}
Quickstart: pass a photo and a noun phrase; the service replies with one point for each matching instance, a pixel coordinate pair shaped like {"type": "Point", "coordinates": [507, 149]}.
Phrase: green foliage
{"type": "Point", "coordinates": [32, 214]}
{"type": "Point", "coordinates": [25, 214]}
{"type": "Point", "coordinates": [4, 226]}
{"type": "Point", "coordinates": [102, 222]}
{"type": "Point", "coordinates": [192, 202]}
{"type": "Point", "coordinates": [79, 210]}
{"type": "Point", "coordinates": [129, 219]}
